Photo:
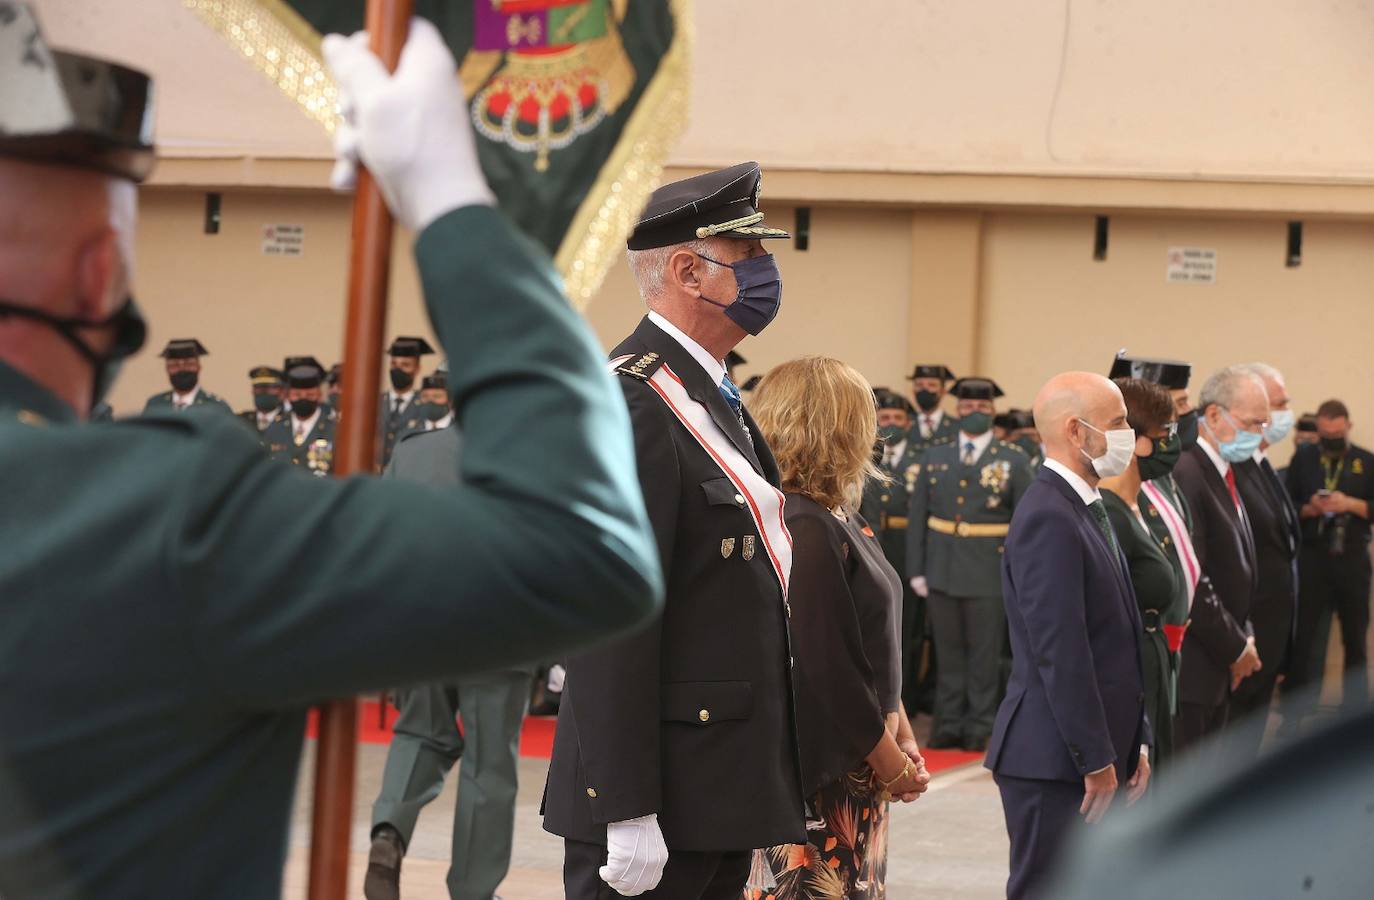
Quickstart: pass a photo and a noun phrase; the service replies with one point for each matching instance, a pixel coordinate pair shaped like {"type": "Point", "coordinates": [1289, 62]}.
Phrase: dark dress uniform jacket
{"type": "Point", "coordinates": [1277, 536]}
{"type": "Point", "coordinates": [1075, 702]}
{"type": "Point", "coordinates": [692, 718]}
{"type": "Point", "coordinates": [169, 614]}
{"type": "Point", "coordinates": [315, 452]}
{"type": "Point", "coordinates": [1221, 606]}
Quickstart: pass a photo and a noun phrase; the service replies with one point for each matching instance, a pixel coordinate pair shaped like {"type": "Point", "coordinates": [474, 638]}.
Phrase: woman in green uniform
{"type": "Point", "coordinates": [1159, 585]}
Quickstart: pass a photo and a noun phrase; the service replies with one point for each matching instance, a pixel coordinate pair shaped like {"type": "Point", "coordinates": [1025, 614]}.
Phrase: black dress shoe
{"type": "Point", "coordinates": [977, 744]}
{"type": "Point", "coordinates": [944, 741]}
{"type": "Point", "coordinates": [383, 879]}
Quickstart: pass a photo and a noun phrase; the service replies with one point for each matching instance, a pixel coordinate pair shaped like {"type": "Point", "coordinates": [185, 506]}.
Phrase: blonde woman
{"type": "Point", "coordinates": [857, 749]}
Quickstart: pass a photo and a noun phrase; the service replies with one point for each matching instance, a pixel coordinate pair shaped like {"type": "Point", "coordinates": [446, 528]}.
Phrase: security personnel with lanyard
{"type": "Point", "coordinates": [961, 508]}
{"type": "Point", "coordinates": [677, 747]}
{"type": "Point", "coordinates": [396, 411]}
{"type": "Point", "coordinates": [269, 390]}
{"type": "Point", "coordinates": [182, 356]}
{"type": "Point", "coordinates": [930, 424]}
{"type": "Point", "coordinates": [304, 436]}
{"type": "Point", "coordinates": [885, 507]}
{"type": "Point", "coordinates": [168, 610]}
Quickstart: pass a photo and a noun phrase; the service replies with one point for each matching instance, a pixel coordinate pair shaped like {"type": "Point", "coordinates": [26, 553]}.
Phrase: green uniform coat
{"type": "Point", "coordinates": [314, 452]}
{"type": "Point", "coordinates": [174, 601]}
{"type": "Point", "coordinates": [163, 402]}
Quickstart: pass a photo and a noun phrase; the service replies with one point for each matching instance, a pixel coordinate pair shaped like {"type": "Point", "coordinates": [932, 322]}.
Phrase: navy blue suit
{"type": "Point", "coordinates": [1075, 702]}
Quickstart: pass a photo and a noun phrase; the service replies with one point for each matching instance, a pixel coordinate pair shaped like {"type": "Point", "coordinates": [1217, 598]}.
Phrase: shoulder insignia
{"type": "Point", "coordinates": [1007, 445]}
{"type": "Point", "coordinates": [643, 367]}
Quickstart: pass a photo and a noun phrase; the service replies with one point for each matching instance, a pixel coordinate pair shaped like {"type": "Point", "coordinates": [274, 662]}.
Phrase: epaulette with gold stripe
{"type": "Point", "coordinates": [643, 367]}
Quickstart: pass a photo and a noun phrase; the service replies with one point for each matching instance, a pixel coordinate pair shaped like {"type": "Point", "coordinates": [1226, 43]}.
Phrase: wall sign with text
{"type": "Point", "coordinates": [283, 240]}
{"type": "Point", "coordinates": [1191, 265]}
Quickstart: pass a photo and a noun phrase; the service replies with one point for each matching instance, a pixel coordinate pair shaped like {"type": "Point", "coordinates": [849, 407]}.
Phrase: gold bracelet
{"type": "Point", "coordinates": [887, 785]}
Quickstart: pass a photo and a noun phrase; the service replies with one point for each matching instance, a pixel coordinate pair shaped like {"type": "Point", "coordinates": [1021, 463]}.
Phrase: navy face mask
{"type": "Point", "coordinates": [760, 292]}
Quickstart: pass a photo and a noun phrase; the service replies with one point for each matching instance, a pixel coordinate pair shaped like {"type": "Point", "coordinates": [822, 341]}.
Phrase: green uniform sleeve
{"type": "Point", "coordinates": [297, 588]}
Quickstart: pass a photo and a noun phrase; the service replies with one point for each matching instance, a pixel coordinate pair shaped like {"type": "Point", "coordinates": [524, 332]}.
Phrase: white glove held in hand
{"type": "Point", "coordinates": [410, 129]}
{"type": "Point", "coordinates": [918, 584]}
{"type": "Point", "coordinates": [635, 856]}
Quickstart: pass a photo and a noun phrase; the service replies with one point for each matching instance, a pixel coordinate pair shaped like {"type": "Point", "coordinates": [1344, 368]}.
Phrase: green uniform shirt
{"type": "Point", "coordinates": [173, 600]}
{"type": "Point", "coordinates": [984, 493]}
{"type": "Point", "coordinates": [203, 399]}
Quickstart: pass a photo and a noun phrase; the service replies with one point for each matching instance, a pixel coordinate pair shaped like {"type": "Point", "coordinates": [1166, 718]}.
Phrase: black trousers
{"type": "Point", "coordinates": [1041, 816]}
{"type": "Point", "coordinates": [688, 876]}
{"type": "Point", "coordinates": [1330, 584]}
{"type": "Point", "coordinates": [1196, 722]}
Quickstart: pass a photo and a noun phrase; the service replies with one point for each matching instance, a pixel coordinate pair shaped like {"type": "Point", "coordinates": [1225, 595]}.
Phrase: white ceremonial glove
{"type": "Point", "coordinates": [918, 584]}
{"type": "Point", "coordinates": [635, 855]}
{"type": "Point", "coordinates": [410, 129]}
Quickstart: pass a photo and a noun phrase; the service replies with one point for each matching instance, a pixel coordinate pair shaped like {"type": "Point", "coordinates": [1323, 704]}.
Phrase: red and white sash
{"type": "Point", "coordinates": [764, 502]}
{"type": "Point", "coordinates": [1178, 533]}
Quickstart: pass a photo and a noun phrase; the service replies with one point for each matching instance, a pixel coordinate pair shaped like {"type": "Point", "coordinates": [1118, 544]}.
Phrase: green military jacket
{"type": "Point", "coordinates": [886, 504]}
{"type": "Point", "coordinates": [393, 424]}
{"type": "Point", "coordinates": [948, 496]}
{"type": "Point", "coordinates": [163, 402]}
{"type": "Point", "coordinates": [313, 451]}
{"type": "Point", "coordinates": [174, 601]}
{"type": "Point", "coordinates": [250, 418]}
{"type": "Point", "coordinates": [945, 431]}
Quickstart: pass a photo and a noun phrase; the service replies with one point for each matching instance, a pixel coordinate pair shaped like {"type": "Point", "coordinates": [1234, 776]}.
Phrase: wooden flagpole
{"type": "Point", "coordinates": [387, 23]}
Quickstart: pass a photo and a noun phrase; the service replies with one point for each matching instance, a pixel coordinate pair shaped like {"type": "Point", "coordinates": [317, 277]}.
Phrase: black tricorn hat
{"type": "Point", "coordinates": [1020, 418]}
{"type": "Point", "coordinates": [886, 398]}
{"type": "Point", "coordinates": [266, 375]}
{"type": "Point", "coordinates": [60, 108]}
{"type": "Point", "coordinates": [409, 346]}
{"type": "Point", "coordinates": [976, 389]}
{"type": "Point", "coordinates": [301, 362]}
{"type": "Point", "coordinates": [733, 359]}
{"type": "Point", "coordinates": [304, 377]}
{"type": "Point", "coordinates": [1307, 422]}
{"type": "Point", "coordinates": [438, 380]}
{"type": "Point", "coordinates": [1166, 373]}
{"type": "Point", "coordinates": [180, 348]}
{"type": "Point", "coordinates": [723, 203]}
{"type": "Point", "coordinates": [335, 373]}
{"type": "Point", "coordinates": [928, 371]}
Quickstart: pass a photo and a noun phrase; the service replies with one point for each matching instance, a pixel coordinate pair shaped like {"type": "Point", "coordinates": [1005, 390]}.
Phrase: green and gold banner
{"type": "Point", "coordinates": [575, 103]}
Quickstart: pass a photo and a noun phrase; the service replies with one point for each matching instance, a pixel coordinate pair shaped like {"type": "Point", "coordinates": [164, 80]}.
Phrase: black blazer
{"type": "Point", "coordinates": [1221, 607]}
{"type": "Point", "coordinates": [1076, 699]}
{"type": "Point", "coordinates": [632, 738]}
{"type": "Point", "coordinates": [1277, 535]}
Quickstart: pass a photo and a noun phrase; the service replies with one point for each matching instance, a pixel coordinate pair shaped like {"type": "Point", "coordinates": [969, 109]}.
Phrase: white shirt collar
{"type": "Point", "coordinates": [895, 451]}
{"type": "Point", "coordinates": [445, 422]}
{"type": "Point", "coordinates": [1258, 457]}
{"type": "Point", "coordinates": [404, 398]}
{"type": "Point", "coordinates": [267, 418]}
{"type": "Point", "coordinates": [714, 368]}
{"type": "Point", "coordinates": [1089, 495]}
{"type": "Point", "coordinates": [980, 443]}
{"type": "Point", "coordinates": [188, 399]}
{"type": "Point", "coordinates": [307, 424]}
{"type": "Point", "coordinates": [1222, 465]}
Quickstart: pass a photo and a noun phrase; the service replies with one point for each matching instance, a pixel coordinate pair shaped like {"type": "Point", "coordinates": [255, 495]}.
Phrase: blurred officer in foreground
{"type": "Point", "coordinates": [167, 607]}
{"type": "Point", "coordinates": [269, 390]}
{"type": "Point", "coordinates": [183, 371]}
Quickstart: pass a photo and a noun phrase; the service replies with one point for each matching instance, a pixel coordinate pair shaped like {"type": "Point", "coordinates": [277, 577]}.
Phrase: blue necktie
{"type": "Point", "coordinates": [731, 394]}
{"type": "Point", "coordinates": [968, 453]}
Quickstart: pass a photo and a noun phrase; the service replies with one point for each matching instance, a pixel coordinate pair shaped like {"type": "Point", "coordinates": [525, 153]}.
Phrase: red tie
{"type": "Point", "coordinates": [1231, 483]}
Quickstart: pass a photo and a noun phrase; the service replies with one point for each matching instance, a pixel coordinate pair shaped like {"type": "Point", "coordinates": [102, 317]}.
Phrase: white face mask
{"type": "Point", "coordinates": [1120, 451]}
{"type": "Point", "coordinates": [1280, 423]}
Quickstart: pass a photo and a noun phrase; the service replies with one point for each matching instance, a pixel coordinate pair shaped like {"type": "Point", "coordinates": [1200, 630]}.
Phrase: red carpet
{"type": "Point", "coordinates": [536, 738]}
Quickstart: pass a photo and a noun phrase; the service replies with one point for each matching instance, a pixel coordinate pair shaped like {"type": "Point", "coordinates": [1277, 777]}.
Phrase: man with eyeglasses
{"type": "Point", "coordinates": [1219, 646]}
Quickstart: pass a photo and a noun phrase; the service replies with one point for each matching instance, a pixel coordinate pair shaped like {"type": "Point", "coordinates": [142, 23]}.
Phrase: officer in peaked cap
{"type": "Point", "coordinates": [885, 507]}
{"type": "Point", "coordinates": [269, 392]}
{"type": "Point", "coordinates": [183, 371]}
{"type": "Point", "coordinates": [333, 386]}
{"type": "Point", "coordinates": [167, 607]}
{"type": "Point", "coordinates": [930, 423]}
{"type": "Point", "coordinates": [432, 410]}
{"type": "Point", "coordinates": [679, 742]}
{"type": "Point", "coordinates": [961, 508]}
{"type": "Point", "coordinates": [396, 411]}
{"type": "Point", "coordinates": [305, 435]}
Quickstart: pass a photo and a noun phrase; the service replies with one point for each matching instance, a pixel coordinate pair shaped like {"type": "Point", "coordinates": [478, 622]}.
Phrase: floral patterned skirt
{"type": "Point", "coordinates": [845, 854]}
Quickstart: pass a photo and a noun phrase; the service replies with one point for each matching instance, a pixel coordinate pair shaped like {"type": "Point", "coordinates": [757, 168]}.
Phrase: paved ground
{"type": "Point", "coordinates": [949, 845]}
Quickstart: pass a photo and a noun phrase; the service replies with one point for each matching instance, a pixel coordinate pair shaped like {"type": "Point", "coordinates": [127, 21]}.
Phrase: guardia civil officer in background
{"type": "Point", "coordinates": [930, 423]}
{"type": "Point", "coordinates": [304, 436]}
{"type": "Point", "coordinates": [676, 754]}
{"type": "Point", "coordinates": [886, 505]}
{"type": "Point", "coordinates": [182, 357]}
{"type": "Point", "coordinates": [269, 391]}
{"type": "Point", "coordinates": [396, 412]}
{"type": "Point", "coordinates": [961, 507]}
{"type": "Point", "coordinates": [167, 607]}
